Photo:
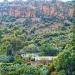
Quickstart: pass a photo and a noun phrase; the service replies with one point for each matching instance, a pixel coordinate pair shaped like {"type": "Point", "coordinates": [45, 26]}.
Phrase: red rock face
{"type": "Point", "coordinates": [20, 11]}
{"type": "Point", "coordinates": [30, 13]}
{"type": "Point", "coordinates": [71, 12]}
{"type": "Point", "coordinates": [59, 4]}
{"type": "Point", "coordinates": [17, 13]}
{"type": "Point", "coordinates": [45, 9]}
{"type": "Point", "coordinates": [12, 12]}
{"type": "Point", "coordinates": [52, 11]}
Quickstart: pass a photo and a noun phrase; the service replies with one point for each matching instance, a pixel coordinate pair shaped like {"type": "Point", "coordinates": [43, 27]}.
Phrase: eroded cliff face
{"type": "Point", "coordinates": [32, 8]}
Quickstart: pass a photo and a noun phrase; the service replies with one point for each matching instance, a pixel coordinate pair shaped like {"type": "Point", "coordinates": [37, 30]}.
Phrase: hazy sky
{"type": "Point", "coordinates": [25, 0]}
{"type": "Point", "coordinates": [66, 0]}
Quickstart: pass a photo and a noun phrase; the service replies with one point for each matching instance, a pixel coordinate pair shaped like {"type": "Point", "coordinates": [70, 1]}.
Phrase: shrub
{"type": "Point", "coordinates": [23, 69]}
{"type": "Point", "coordinates": [62, 72]}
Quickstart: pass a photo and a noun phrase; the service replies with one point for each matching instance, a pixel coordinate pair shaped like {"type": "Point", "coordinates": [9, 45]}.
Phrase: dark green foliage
{"type": "Point", "coordinates": [27, 22]}
{"type": "Point", "coordinates": [8, 18]}
{"type": "Point", "coordinates": [47, 49]}
{"type": "Point", "coordinates": [29, 37]}
{"type": "Point", "coordinates": [66, 61]}
{"type": "Point", "coordinates": [23, 69]}
{"type": "Point", "coordinates": [7, 59]}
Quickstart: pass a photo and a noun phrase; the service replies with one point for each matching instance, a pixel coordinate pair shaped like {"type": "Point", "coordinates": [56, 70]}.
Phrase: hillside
{"type": "Point", "coordinates": [52, 24]}
{"type": "Point", "coordinates": [37, 37]}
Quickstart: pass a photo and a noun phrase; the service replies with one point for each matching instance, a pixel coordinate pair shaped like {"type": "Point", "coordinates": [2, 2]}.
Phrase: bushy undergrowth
{"type": "Point", "coordinates": [23, 69]}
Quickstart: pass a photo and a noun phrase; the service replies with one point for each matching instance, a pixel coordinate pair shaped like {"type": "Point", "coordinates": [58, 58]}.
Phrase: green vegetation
{"type": "Point", "coordinates": [23, 69]}
{"type": "Point", "coordinates": [50, 37]}
{"type": "Point", "coordinates": [58, 42]}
